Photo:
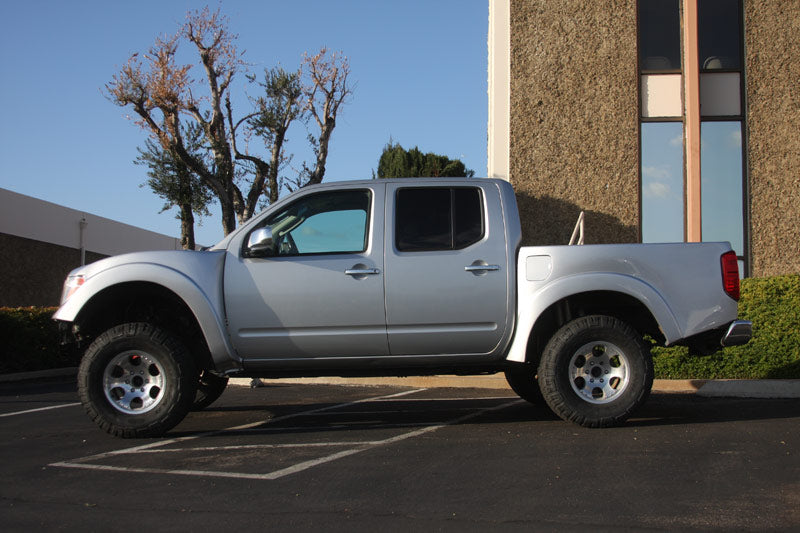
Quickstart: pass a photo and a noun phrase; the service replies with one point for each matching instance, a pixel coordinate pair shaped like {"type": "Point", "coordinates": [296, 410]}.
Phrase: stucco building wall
{"type": "Point", "coordinates": [772, 54]}
{"type": "Point", "coordinates": [34, 271]}
{"type": "Point", "coordinates": [574, 118]}
{"type": "Point", "coordinates": [573, 123]}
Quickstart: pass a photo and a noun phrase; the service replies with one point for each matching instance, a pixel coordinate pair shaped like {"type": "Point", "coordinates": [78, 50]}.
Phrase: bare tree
{"type": "Point", "coordinates": [276, 109]}
{"type": "Point", "coordinates": [326, 89]}
{"type": "Point", "coordinates": [163, 95]}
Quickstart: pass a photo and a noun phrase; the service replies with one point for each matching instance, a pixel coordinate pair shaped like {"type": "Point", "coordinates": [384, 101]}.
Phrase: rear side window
{"type": "Point", "coordinates": [438, 218]}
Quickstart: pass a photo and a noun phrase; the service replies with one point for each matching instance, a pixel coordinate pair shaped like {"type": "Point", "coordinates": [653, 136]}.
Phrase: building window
{"type": "Point", "coordinates": [684, 174]}
{"type": "Point", "coordinates": [719, 34]}
{"type": "Point", "coordinates": [659, 36]}
{"type": "Point", "coordinates": [662, 182]}
{"type": "Point", "coordinates": [721, 172]}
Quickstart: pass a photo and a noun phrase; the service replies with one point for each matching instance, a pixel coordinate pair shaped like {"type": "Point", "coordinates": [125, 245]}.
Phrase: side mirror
{"type": "Point", "coordinates": [260, 242]}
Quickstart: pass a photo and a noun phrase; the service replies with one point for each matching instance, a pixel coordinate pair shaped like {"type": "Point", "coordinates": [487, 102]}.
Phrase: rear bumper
{"type": "Point", "coordinates": [739, 332]}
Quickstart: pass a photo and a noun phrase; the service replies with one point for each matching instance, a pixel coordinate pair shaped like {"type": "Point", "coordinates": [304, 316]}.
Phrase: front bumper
{"type": "Point", "coordinates": [739, 332]}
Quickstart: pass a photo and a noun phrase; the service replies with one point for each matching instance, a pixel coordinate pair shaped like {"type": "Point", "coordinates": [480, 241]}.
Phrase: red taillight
{"type": "Point", "coordinates": [730, 274]}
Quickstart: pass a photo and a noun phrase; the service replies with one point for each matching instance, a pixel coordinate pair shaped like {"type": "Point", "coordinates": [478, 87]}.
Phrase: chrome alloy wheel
{"type": "Point", "coordinates": [134, 382]}
{"type": "Point", "coordinates": [599, 372]}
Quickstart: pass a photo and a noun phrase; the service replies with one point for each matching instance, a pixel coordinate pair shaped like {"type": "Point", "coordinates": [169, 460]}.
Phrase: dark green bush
{"type": "Point", "coordinates": [773, 305]}
{"type": "Point", "coordinates": [30, 340]}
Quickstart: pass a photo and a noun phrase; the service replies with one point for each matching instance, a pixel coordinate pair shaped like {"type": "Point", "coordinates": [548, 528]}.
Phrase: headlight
{"type": "Point", "coordinates": [72, 284]}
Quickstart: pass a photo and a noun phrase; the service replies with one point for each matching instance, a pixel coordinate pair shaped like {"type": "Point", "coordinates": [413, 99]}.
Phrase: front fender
{"type": "Point", "coordinates": [534, 298]}
{"type": "Point", "coordinates": [206, 305]}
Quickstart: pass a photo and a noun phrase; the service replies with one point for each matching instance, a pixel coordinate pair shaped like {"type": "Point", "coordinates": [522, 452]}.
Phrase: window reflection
{"type": "Point", "coordinates": [718, 32]}
{"type": "Point", "coordinates": [659, 35]}
{"type": "Point", "coordinates": [662, 182]}
{"type": "Point", "coordinates": [721, 182]}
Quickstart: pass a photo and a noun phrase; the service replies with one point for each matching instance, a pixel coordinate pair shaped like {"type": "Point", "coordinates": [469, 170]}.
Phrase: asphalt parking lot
{"type": "Point", "coordinates": [362, 458]}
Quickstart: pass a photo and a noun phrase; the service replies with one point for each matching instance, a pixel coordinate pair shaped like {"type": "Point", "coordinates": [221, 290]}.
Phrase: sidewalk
{"type": "Point", "coordinates": [717, 388]}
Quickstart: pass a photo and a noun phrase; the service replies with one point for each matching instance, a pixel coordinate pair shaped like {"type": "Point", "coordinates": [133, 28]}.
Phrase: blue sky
{"type": "Point", "coordinates": [419, 69]}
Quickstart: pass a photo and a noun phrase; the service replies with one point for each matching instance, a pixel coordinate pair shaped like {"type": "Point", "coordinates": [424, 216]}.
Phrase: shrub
{"type": "Point", "coordinates": [773, 305]}
{"type": "Point", "coordinates": [30, 340]}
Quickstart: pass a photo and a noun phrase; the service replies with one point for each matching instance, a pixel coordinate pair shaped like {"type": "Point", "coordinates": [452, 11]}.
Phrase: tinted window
{"type": "Point", "coordinates": [468, 217]}
{"type": "Point", "coordinates": [659, 35]}
{"type": "Point", "coordinates": [438, 218]}
{"type": "Point", "coordinates": [719, 34]}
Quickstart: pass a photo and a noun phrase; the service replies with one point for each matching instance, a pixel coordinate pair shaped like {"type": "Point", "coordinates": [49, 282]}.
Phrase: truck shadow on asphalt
{"type": "Point", "coordinates": [660, 410]}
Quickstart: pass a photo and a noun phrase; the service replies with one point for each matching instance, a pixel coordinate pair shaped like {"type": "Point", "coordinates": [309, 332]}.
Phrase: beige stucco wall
{"type": "Point", "coordinates": [772, 50]}
{"type": "Point", "coordinates": [574, 118]}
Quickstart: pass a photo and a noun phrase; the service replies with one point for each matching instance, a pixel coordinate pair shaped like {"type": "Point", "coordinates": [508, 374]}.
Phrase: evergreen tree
{"type": "Point", "coordinates": [176, 183]}
{"type": "Point", "coordinates": [397, 162]}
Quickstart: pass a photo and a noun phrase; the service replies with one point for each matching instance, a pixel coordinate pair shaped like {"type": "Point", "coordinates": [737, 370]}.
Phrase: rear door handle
{"type": "Point", "coordinates": [481, 268]}
{"type": "Point", "coordinates": [362, 271]}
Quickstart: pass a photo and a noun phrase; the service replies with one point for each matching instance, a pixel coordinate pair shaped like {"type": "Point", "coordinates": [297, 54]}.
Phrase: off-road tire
{"type": "Point", "coordinates": [596, 371]}
{"type": "Point", "coordinates": [209, 388]}
{"type": "Point", "coordinates": [137, 380]}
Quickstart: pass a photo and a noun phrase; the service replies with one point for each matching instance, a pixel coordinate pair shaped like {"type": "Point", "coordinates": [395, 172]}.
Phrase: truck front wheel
{"type": "Point", "coordinates": [209, 388]}
{"type": "Point", "coordinates": [137, 380]}
{"type": "Point", "coordinates": [523, 380]}
{"type": "Point", "coordinates": [595, 371]}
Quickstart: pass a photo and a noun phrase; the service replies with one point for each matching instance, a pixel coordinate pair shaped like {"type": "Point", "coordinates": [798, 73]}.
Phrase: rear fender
{"type": "Point", "coordinates": [535, 298]}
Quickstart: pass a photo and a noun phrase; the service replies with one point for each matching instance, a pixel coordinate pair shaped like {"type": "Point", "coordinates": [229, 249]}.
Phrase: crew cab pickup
{"type": "Point", "coordinates": [392, 277]}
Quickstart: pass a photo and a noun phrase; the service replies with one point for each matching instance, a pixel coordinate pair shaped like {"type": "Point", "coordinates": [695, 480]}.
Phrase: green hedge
{"type": "Point", "coordinates": [773, 305]}
{"type": "Point", "coordinates": [29, 339]}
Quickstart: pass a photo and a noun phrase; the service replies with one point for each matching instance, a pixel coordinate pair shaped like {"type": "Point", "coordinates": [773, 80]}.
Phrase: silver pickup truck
{"type": "Point", "coordinates": [392, 277]}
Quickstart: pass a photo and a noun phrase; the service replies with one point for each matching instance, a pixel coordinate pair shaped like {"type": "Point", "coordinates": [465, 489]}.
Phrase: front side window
{"type": "Point", "coordinates": [324, 223]}
{"type": "Point", "coordinates": [438, 218]}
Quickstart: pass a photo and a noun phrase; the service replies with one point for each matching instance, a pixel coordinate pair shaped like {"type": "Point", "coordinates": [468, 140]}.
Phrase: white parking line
{"type": "Point", "coordinates": [354, 447]}
{"type": "Point", "coordinates": [277, 474]}
{"type": "Point", "coordinates": [15, 413]}
{"type": "Point", "coordinates": [78, 462]}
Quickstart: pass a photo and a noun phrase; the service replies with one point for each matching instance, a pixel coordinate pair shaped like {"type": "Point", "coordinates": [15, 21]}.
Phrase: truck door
{"type": "Point", "coordinates": [318, 290]}
{"type": "Point", "coordinates": [445, 269]}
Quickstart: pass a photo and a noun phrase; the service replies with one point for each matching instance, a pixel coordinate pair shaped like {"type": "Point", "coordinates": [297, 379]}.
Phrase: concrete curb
{"type": "Point", "coordinates": [718, 388]}
{"type": "Point", "coordinates": [728, 388]}
{"type": "Point", "coordinates": [763, 388]}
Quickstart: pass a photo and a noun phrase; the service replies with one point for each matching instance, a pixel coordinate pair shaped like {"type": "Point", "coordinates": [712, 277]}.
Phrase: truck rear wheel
{"type": "Point", "coordinates": [595, 371]}
{"type": "Point", "coordinates": [136, 380]}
